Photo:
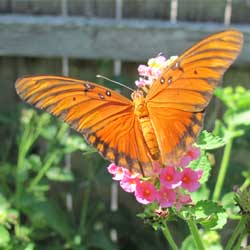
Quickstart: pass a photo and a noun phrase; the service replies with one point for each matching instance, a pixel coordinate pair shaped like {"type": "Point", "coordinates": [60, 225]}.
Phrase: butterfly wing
{"type": "Point", "coordinates": [177, 100]}
{"type": "Point", "coordinates": [104, 117]}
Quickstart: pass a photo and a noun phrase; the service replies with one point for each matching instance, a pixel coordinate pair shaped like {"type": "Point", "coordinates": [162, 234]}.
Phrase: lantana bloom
{"type": "Point", "coordinates": [170, 177]}
{"type": "Point", "coordinates": [167, 185]}
{"type": "Point", "coordinates": [118, 172]}
{"type": "Point", "coordinates": [190, 179]}
{"type": "Point", "coordinates": [192, 154]}
{"type": "Point", "coordinates": [129, 182]}
{"type": "Point", "coordinates": [182, 199]}
{"type": "Point", "coordinates": [166, 197]}
{"type": "Point", "coordinates": [145, 192]}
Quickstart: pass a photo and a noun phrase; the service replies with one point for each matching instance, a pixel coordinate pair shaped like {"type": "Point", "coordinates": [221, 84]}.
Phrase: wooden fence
{"type": "Point", "coordinates": [126, 30]}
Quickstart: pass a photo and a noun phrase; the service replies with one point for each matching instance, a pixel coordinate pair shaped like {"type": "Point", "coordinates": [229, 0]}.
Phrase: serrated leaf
{"type": "Point", "coordinates": [208, 141]}
{"type": "Point", "coordinates": [203, 164]}
{"type": "Point", "coordinates": [210, 214]}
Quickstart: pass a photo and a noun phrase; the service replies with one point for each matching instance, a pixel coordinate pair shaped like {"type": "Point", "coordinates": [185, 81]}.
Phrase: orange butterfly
{"type": "Point", "coordinates": [158, 126]}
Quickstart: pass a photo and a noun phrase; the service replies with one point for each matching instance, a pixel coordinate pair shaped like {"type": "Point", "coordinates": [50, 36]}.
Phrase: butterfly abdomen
{"type": "Point", "coordinates": [141, 111]}
{"type": "Point", "coordinates": [150, 138]}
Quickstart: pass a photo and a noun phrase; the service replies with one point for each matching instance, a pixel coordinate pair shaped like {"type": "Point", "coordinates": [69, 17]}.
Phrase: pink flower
{"type": "Point", "coordinates": [142, 82]}
{"type": "Point", "coordinates": [145, 192]}
{"type": "Point", "coordinates": [129, 182]}
{"type": "Point", "coordinates": [190, 179]}
{"type": "Point", "coordinates": [170, 178]}
{"type": "Point", "coordinates": [192, 154]}
{"type": "Point", "coordinates": [143, 70]}
{"type": "Point", "coordinates": [118, 172]}
{"type": "Point", "coordinates": [182, 199]}
{"type": "Point", "coordinates": [165, 197]}
{"type": "Point", "coordinates": [158, 61]}
{"type": "Point", "coordinates": [155, 73]}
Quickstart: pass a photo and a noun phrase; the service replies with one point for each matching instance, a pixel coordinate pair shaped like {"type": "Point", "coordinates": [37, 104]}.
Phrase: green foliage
{"type": "Point", "coordinates": [203, 164]}
{"type": "Point", "coordinates": [209, 214]}
{"type": "Point", "coordinates": [211, 241]}
{"type": "Point", "coordinates": [208, 141]}
{"type": "Point", "coordinates": [34, 183]}
{"type": "Point", "coordinates": [28, 212]}
{"type": "Point", "coordinates": [213, 215]}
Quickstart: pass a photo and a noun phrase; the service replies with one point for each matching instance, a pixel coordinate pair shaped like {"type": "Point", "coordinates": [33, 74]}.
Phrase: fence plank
{"type": "Point", "coordinates": [130, 40]}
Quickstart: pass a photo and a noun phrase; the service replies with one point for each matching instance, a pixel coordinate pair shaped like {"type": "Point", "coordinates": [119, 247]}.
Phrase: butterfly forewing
{"type": "Point", "coordinates": [177, 100]}
{"type": "Point", "coordinates": [103, 116]}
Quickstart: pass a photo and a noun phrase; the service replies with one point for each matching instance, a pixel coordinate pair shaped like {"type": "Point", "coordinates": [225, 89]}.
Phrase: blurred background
{"type": "Point", "coordinates": [55, 190]}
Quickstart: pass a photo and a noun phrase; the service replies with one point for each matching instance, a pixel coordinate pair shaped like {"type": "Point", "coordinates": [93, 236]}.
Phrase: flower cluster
{"type": "Point", "coordinates": [171, 188]}
{"type": "Point", "coordinates": [152, 71]}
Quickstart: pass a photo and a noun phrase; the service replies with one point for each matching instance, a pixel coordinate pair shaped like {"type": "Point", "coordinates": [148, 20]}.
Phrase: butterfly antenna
{"type": "Point", "coordinates": [123, 85]}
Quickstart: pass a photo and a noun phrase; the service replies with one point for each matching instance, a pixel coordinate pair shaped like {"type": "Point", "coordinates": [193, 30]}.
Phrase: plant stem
{"type": "Point", "coordinates": [168, 236]}
{"type": "Point", "coordinates": [239, 242]}
{"type": "Point", "coordinates": [223, 167]}
{"type": "Point", "coordinates": [52, 157]}
{"type": "Point", "coordinates": [239, 228]}
{"type": "Point", "coordinates": [245, 185]}
{"type": "Point", "coordinates": [195, 233]}
{"type": "Point", "coordinates": [84, 210]}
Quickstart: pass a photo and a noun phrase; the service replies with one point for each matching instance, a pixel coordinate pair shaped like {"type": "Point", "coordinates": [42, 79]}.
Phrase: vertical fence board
{"type": "Point", "coordinates": [241, 11]}
{"type": "Point", "coordinates": [92, 8]}
{"type": "Point", "coordinates": [146, 9]}
{"type": "Point", "coordinates": [36, 7]}
{"type": "Point", "coordinates": [201, 11]}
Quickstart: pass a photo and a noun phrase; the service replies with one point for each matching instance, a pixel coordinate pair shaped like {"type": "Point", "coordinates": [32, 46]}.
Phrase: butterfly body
{"type": "Point", "coordinates": [158, 126]}
{"type": "Point", "coordinates": [142, 114]}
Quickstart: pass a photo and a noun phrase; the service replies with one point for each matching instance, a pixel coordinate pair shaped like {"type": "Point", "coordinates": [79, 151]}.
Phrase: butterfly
{"type": "Point", "coordinates": [157, 126]}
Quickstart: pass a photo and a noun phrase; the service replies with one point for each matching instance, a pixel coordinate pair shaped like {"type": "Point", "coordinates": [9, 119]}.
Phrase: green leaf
{"type": "Point", "coordinates": [203, 164]}
{"type": "Point", "coordinates": [23, 232]}
{"type": "Point", "coordinates": [211, 241]}
{"type": "Point", "coordinates": [208, 141]}
{"type": "Point", "coordinates": [99, 240]}
{"type": "Point", "coordinates": [201, 194]}
{"type": "Point", "coordinates": [228, 202]}
{"type": "Point", "coordinates": [33, 162]}
{"type": "Point", "coordinates": [238, 118]}
{"type": "Point", "coordinates": [73, 143]}
{"type": "Point", "coordinates": [30, 246]}
{"type": "Point", "coordinates": [4, 236]}
{"type": "Point", "coordinates": [188, 243]}
{"type": "Point", "coordinates": [47, 213]}
{"type": "Point", "coordinates": [210, 214]}
{"type": "Point", "coordinates": [226, 96]}
{"type": "Point", "coordinates": [60, 174]}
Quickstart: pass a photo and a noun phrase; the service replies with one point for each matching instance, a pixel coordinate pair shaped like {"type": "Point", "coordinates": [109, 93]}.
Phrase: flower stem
{"type": "Point", "coordinates": [223, 167]}
{"type": "Point", "coordinates": [245, 185]}
{"type": "Point", "coordinates": [239, 242]}
{"type": "Point", "coordinates": [168, 236]}
{"type": "Point", "coordinates": [195, 233]}
{"type": "Point", "coordinates": [239, 228]}
{"type": "Point", "coordinates": [52, 157]}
